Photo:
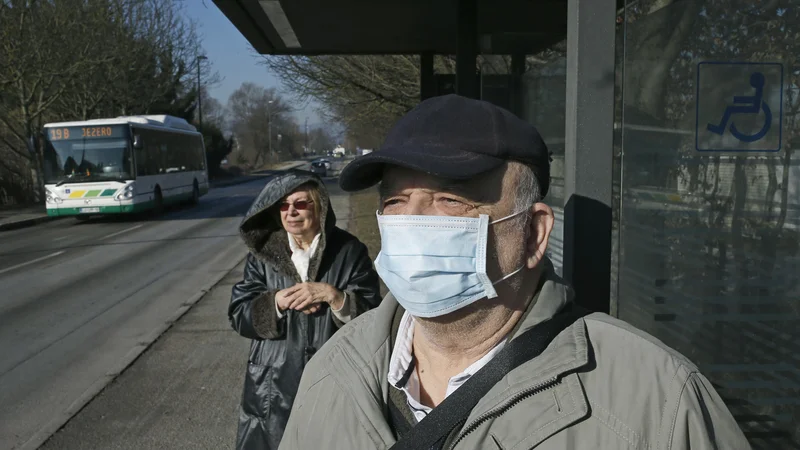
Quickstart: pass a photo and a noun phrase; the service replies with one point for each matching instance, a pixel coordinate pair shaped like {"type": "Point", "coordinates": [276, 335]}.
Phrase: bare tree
{"type": "Point", "coordinates": [214, 112]}
{"type": "Point", "coordinates": [320, 140]}
{"type": "Point", "coordinates": [366, 92]}
{"type": "Point", "coordinates": [81, 59]}
{"type": "Point", "coordinates": [34, 58]}
{"type": "Point", "coordinates": [258, 115]}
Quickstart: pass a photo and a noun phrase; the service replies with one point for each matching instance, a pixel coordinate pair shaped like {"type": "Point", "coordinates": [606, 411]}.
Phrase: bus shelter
{"type": "Point", "coordinates": [675, 183]}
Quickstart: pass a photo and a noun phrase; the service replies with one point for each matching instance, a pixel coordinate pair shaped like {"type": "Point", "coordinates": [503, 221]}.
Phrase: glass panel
{"type": "Point", "coordinates": [710, 198]}
{"type": "Point", "coordinates": [544, 88]}
{"type": "Point", "coordinates": [78, 161]}
{"type": "Point", "coordinates": [497, 85]}
{"type": "Point", "coordinates": [534, 88]}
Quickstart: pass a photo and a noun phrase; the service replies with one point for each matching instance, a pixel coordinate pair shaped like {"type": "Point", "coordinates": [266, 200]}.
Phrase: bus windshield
{"type": "Point", "coordinates": [83, 160]}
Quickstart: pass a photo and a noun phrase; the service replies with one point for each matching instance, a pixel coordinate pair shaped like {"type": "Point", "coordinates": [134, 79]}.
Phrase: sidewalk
{"type": "Point", "coordinates": [14, 218]}
{"type": "Point", "coordinates": [184, 391]}
{"type": "Point", "coordinates": [281, 166]}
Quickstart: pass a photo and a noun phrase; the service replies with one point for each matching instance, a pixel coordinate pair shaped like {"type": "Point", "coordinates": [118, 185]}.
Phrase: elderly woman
{"type": "Point", "coordinates": [303, 279]}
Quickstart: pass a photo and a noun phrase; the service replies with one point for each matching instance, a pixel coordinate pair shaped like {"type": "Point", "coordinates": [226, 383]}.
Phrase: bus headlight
{"type": "Point", "coordinates": [52, 197]}
{"type": "Point", "coordinates": [128, 193]}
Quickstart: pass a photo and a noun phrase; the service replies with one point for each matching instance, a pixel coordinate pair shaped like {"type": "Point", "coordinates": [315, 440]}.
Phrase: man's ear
{"type": "Point", "coordinates": [540, 226]}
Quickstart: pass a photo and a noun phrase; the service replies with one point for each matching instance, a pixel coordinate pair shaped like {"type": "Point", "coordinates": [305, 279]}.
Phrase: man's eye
{"type": "Point", "coordinates": [390, 202]}
{"type": "Point", "coordinates": [449, 200]}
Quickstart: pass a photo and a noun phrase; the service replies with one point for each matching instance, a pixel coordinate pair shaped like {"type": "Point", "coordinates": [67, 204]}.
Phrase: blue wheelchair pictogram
{"type": "Point", "coordinates": [746, 104]}
{"type": "Point", "coordinates": [739, 106]}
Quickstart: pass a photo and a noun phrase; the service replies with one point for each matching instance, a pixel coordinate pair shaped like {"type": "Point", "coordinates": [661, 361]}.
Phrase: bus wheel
{"type": "Point", "coordinates": [195, 193]}
{"type": "Point", "coordinates": [158, 202]}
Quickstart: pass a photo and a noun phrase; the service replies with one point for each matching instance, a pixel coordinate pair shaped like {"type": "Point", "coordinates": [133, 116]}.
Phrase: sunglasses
{"type": "Point", "coordinates": [300, 206]}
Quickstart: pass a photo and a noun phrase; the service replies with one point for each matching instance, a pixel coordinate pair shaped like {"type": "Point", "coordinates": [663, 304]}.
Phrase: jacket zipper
{"type": "Point", "coordinates": [539, 388]}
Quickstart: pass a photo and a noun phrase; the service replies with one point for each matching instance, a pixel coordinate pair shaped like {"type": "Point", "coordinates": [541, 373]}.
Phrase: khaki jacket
{"type": "Point", "coordinates": [601, 384]}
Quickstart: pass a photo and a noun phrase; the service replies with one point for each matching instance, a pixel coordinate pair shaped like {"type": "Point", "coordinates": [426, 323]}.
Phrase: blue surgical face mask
{"type": "Point", "coordinates": [435, 265]}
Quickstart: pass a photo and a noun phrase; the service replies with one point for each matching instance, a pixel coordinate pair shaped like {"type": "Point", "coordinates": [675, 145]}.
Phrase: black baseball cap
{"type": "Point", "coordinates": [454, 137]}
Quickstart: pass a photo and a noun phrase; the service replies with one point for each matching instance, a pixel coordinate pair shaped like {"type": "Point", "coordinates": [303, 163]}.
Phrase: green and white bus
{"type": "Point", "coordinates": [123, 165]}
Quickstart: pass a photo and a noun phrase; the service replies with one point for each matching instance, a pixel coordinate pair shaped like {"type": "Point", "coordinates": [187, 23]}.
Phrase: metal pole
{"type": "Point", "coordinates": [269, 115]}
{"type": "Point", "coordinates": [589, 143]}
{"type": "Point", "coordinates": [199, 94]}
{"type": "Point", "coordinates": [427, 81]}
{"type": "Point", "coordinates": [467, 81]}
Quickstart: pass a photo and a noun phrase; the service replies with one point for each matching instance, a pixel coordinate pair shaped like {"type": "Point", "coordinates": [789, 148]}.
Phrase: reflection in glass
{"type": "Point", "coordinates": [710, 241]}
{"type": "Point", "coordinates": [544, 87]}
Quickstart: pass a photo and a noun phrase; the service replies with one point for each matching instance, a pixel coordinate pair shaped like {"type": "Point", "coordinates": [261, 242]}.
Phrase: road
{"type": "Point", "coordinates": [80, 300]}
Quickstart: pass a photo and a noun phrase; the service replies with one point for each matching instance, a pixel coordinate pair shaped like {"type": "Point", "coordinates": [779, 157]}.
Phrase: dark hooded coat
{"type": "Point", "coordinates": [281, 347]}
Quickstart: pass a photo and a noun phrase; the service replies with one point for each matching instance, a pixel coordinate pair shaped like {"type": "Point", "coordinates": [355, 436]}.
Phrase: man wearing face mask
{"type": "Point", "coordinates": [479, 344]}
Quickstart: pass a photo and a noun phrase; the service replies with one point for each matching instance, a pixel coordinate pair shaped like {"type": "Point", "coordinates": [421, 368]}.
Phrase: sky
{"type": "Point", "coordinates": [233, 57]}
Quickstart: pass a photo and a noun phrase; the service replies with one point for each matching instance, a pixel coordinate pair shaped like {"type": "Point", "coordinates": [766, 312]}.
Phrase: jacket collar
{"type": "Point", "coordinates": [570, 349]}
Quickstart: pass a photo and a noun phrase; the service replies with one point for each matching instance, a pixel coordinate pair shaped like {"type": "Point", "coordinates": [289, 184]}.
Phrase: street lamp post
{"type": "Point", "coordinates": [199, 94]}
{"type": "Point", "coordinates": [269, 116]}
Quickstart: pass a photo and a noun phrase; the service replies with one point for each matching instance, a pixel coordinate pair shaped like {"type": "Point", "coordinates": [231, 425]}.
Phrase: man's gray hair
{"type": "Point", "coordinates": [528, 190]}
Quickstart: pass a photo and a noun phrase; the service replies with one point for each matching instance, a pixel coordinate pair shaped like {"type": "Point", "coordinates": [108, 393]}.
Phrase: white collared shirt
{"type": "Point", "coordinates": [301, 260]}
{"type": "Point", "coordinates": [400, 363]}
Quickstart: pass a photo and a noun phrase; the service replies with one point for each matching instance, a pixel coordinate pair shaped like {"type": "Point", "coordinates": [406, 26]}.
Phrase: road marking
{"type": "Point", "coordinates": [123, 231]}
{"type": "Point", "coordinates": [9, 269]}
{"type": "Point", "coordinates": [60, 239]}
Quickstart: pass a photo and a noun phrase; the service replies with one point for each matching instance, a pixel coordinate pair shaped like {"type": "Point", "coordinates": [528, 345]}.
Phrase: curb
{"type": "Point", "coordinates": [26, 222]}
{"type": "Point", "coordinates": [254, 177]}
{"type": "Point", "coordinates": [46, 432]}
{"type": "Point", "coordinates": [288, 166]}
{"type": "Point", "coordinates": [227, 183]}
{"type": "Point", "coordinates": [292, 166]}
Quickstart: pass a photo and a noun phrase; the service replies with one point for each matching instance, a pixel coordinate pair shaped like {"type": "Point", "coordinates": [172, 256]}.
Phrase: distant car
{"type": "Point", "coordinates": [325, 161]}
{"type": "Point", "coordinates": [319, 168]}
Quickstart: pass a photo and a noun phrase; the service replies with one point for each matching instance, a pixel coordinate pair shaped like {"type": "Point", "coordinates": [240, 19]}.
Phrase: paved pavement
{"type": "Point", "coordinates": [22, 217]}
{"type": "Point", "coordinates": [180, 394]}
{"type": "Point", "coordinates": [184, 391]}
{"type": "Point", "coordinates": [81, 300]}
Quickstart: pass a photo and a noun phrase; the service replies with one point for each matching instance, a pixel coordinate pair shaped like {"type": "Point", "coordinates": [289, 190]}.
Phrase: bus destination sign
{"type": "Point", "coordinates": [79, 133]}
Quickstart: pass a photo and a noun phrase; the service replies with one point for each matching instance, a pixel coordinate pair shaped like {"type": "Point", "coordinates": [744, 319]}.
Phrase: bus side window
{"type": "Point", "coordinates": [164, 158]}
{"type": "Point", "coordinates": [190, 161]}
{"type": "Point", "coordinates": [173, 153]}
{"type": "Point", "coordinates": [180, 152]}
{"type": "Point", "coordinates": [154, 154]}
{"type": "Point", "coordinates": [141, 157]}
{"type": "Point", "coordinates": [201, 157]}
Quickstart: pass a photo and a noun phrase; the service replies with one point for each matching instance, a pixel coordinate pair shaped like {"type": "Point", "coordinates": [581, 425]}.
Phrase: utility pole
{"type": "Point", "coordinates": [269, 138]}
{"type": "Point", "coordinates": [306, 149]}
{"type": "Point", "coordinates": [199, 93]}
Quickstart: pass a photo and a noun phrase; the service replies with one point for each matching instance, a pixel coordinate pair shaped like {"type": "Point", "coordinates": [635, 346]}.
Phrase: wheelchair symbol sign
{"type": "Point", "coordinates": [739, 107]}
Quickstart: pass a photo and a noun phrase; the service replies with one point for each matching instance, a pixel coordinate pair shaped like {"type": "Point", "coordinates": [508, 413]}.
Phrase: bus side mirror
{"type": "Point", "coordinates": [137, 142]}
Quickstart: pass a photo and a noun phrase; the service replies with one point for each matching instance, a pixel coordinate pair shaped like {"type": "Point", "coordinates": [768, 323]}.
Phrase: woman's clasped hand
{"type": "Point", "coordinates": [307, 297]}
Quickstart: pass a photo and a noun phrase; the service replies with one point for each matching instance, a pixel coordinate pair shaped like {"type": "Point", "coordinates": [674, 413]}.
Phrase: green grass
{"type": "Point", "coordinates": [363, 223]}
